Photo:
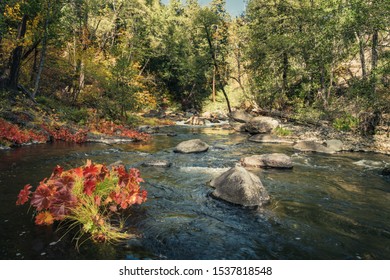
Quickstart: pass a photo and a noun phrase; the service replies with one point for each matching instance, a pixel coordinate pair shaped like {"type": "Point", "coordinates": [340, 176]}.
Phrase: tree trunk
{"type": "Point", "coordinates": [374, 59]}
{"type": "Point", "coordinates": [217, 73]}
{"type": "Point", "coordinates": [285, 69]}
{"type": "Point", "coordinates": [1, 50]}
{"type": "Point", "coordinates": [360, 40]}
{"type": "Point", "coordinates": [322, 82]}
{"type": "Point", "coordinates": [239, 71]}
{"type": "Point", "coordinates": [374, 50]}
{"type": "Point", "coordinates": [17, 56]}
{"type": "Point", "coordinates": [214, 85]}
{"type": "Point", "coordinates": [331, 77]}
{"type": "Point", "coordinates": [34, 67]}
{"type": "Point", "coordinates": [42, 60]}
{"type": "Point", "coordinates": [82, 74]}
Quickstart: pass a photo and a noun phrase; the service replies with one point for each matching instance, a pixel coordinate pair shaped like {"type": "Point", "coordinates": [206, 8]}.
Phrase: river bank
{"type": "Point", "coordinates": [110, 133]}
{"type": "Point", "coordinates": [288, 132]}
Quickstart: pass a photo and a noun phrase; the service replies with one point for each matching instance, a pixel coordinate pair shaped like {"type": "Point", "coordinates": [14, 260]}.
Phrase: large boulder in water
{"type": "Point", "coordinates": [191, 146]}
{"type": "Point", "coordinates": [329, 147]}
{"type": "Point", "coordinates": [239, 186]}
{"type": "Point", "coordinates": [241, 116]}
{"type": "Point", "coordinates": [275, 160]}
{"type": "Point", "coordinates": [261, 124]}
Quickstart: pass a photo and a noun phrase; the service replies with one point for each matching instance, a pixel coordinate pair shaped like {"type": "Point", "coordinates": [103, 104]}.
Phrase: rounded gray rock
{"type": "Point", "coordinates": [261, 124]}
{"type": "Point", "coordinates": [191, 146]}
{"type": "Point", "coordinates": [239, 186]}
{"type": "Point", "coordinates": [275, 160]}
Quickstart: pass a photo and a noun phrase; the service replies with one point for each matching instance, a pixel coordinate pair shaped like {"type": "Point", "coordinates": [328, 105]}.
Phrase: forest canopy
{"type": "Point", "coordinates": [311, 58]}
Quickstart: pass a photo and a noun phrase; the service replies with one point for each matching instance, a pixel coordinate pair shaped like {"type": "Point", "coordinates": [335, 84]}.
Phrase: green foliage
{"type": "Point", "coordinates": [346, 123]}
{"type": "Point", "coordinates": [308, 114]}
{"type": "Point", "coordinates": [65, 112]}
{"type": "Point", "coordinates": [281, 131]}
{"type": "Point", "coordinates": [120, 57]}
{"type": "Point", "coordinates": [304, 48]}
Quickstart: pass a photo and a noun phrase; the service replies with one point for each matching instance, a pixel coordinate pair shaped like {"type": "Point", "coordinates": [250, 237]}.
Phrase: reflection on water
{"type": "Point", "coordinates": [327, 207]}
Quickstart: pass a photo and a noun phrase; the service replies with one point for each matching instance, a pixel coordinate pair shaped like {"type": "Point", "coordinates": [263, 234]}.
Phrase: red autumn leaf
{"type": "Point", "coordinates": [103, 172]}
{"type": "Point", "coordinates": [124, 204]}
{"type": "Point", "coordinates": [62, 204]}
{"type": "Point", "coordinates": [89, 186]}
{"type": "Point", "coordinates": [90, 170]}
{"type": "Point", "coordinates": [142, 197]}
{"type": "Point", "coordinates": [115, 196]}
{"type": "Point", "coordinates": [66, 182]}
{"type": "Point", "coordinates": [23, 195]}
{"type": "Point", "coordinates": [121, 170]}
{"type": "Point", "coordinates": [134, 173]}
{"type": "Point", "coordinates": [44, 218]}
{"type": "Point", "coordinates": [113, 208]}
{"type": "Point", "coordinates": [42, 196]}
{"type": "Point", "coordinates": [98, 200]}
{"type": "Point", "coordinates": [57, 172]}
{"type": "Point", "coordinates": [78, 171]}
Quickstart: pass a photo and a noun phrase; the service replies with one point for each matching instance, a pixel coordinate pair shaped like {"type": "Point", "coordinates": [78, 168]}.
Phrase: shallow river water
{"type": "Point", "coordinates": [326, 207]}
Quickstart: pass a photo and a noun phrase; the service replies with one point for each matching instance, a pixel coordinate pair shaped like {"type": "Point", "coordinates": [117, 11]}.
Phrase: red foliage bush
{"type": "Point", "coordinates": [87, 195]}
{"type": "Point", "coordinates": [64, 134]}
{"type": "Point", "coordinates": [110, 128]}
{"type": "Point", "coordinates": [13, 134]}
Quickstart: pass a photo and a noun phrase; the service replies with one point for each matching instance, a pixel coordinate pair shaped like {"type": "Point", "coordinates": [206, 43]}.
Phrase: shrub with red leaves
{"type": "Point", "coordinates": [16, 136]}
{"type": "Point", "coordinates": [87, 194]}
{"type": "Point", "coordinates": [64, 134]}
{"type": "Point", "coordinates": [110, 128]}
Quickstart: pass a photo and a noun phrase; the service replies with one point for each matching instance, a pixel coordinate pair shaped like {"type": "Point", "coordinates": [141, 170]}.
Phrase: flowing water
{"type": "Point", "coordinates": [326, 207]}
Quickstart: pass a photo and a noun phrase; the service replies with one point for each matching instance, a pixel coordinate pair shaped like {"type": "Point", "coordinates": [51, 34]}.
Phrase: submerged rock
{"type": "Point", "coordinates": [157, 163]}
{"type": "Point", "coordinates": [386, 171]}
{"type": "Point", "coordinates": [148, 129]}
{"type": "Point", "coordinates": [261, 124]}
{"type": "Point", "coordinates": [191, 146]}
{"type": "Point", "coordinates": [108, 140]}
{"type": "Point", "coordinates": [329, 147]}
{"type": "Point", "coordinates": [239, 186]}
{"type": "Point", "coordinates": [237, 126]}
{"type": "Point", "coordinates": [115, 164]}
{"type": "Point", "coordinates": [276, 160]}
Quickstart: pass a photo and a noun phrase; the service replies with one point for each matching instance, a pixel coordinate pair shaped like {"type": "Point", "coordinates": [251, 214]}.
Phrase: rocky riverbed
{"type": "Point", "coordinates": [264, 129]}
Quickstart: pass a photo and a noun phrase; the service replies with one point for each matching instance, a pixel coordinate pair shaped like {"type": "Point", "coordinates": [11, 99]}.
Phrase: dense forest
{"type": "Point", "coordinates": [312, 59]}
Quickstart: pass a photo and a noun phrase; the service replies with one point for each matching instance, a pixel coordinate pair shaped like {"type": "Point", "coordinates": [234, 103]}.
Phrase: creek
{"type": "Point", "coordinates": [326, 207]}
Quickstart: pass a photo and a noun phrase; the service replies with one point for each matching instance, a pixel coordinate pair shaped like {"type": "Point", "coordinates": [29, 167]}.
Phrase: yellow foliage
{"type": "Point", "coordinates": [36, 21]}
{"type": "Point", "coordinates": [145, 97]}
{"type": "Point", "coordinates": [13, 13]}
